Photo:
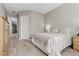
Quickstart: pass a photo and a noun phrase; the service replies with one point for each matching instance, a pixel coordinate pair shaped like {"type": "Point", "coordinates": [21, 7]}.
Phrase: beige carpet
{"type": "Point", "coordinates": [70, 52]}
{"type": "Point", "coordinates": [25, 48]}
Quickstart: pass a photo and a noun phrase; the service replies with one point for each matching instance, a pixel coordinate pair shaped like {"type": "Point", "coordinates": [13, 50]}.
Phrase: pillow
{"type": "Point", "coordinates": [55, 30]}
{"type": "Point", "coordinates": [65, 31]}
{"type": "Point", "coordinates": [48, 28]}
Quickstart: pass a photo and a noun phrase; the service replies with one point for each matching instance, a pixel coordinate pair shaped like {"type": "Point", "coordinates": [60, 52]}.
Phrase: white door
{"type": "Point", "coordinates": [24, 27]}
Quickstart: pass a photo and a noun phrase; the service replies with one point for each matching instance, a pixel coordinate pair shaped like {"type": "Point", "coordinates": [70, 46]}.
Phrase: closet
{"type": "Point", "coordinates": [4, 36]}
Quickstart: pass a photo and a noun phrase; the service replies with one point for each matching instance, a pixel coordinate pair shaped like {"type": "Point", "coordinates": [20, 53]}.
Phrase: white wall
{"type": "Point", "coordinates": [65, 16]}
{"type": "Point", "coordinates": [37, 22]}
{"type": "Point", "coordinates": [2, 10]}
{"type": "Point", "coordinates": [11, 15]}
{"type": "Point", "coordinates": [12, 18]}
{"type": "Point", "coordinates": [10, 26]}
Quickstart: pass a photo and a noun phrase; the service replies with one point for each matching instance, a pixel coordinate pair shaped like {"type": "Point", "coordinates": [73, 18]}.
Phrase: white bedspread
{"type": "Point", "coordinates": [52, 43]}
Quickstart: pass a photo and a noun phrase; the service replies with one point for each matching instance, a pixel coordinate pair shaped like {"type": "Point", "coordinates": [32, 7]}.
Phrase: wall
{"type": "Point", "coordinates": [37, 22]}
{"type": "Point", "coordinates": [10, 26]}
{"type": "Point", "coordinates": [12, 18]}
{"type": "Point", "coordinates": [11, 15]}
{"type": "Point", "coordinates": [2, 10]}
{"type": "Point", "coordinates": [65, 16]}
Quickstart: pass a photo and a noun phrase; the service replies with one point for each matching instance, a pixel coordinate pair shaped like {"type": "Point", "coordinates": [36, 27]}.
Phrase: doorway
{"type": "Point", "coordinates": [13, 27]}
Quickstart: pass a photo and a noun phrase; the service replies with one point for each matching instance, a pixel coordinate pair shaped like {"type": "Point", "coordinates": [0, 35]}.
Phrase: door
{"type": "Point", "coordinates": [1, 36]}
{"type": "Point", "coordinates": [24, 27]}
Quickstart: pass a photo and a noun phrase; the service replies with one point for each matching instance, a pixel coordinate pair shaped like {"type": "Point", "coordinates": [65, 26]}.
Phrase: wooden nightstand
{"type": "Point", "coordinates": [76, 42]}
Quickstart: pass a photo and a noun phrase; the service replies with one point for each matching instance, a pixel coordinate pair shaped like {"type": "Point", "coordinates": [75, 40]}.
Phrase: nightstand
{"type": "Point", "coordinates": [76, 42]}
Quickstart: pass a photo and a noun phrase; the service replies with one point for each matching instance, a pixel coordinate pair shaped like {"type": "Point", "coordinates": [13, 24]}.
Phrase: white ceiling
{"type": "Point", "coordinates": [39, 7]}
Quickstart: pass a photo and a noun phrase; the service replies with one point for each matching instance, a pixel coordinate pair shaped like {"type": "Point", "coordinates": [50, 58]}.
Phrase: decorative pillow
{"type": "Point", "coordinates": [48, 28]}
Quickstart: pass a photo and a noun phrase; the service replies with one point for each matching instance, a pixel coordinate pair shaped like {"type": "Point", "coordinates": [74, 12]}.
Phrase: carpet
{"type": "Point", "coordinates": [25, 48]}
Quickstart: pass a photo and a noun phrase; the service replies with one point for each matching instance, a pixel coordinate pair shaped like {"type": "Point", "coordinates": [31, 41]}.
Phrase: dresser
{"type": "Point", "coordinates": [76, 42]}
{"type": "Point", "coordinates": [4, 36]}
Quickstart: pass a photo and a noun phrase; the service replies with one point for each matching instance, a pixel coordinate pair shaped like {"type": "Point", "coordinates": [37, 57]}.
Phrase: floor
{"type": "Point", "coordinates": [70, 52]}
{"type": "Point", "coordinates": [25, 48]}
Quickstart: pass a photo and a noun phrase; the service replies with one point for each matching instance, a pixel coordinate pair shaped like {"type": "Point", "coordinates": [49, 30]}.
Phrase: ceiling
{"type": "Point", "coordinates": [39, 7]}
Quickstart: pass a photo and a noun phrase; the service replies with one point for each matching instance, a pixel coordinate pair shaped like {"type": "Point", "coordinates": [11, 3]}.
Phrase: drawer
{"type": "Point", "coordinates": [76, 37]}
{"type": "Point", "coordinates": [76, 44]}
{"type": "Point", "coordinates": [76, 47]}
{"type": "Point", "coordinates": [75, 41]}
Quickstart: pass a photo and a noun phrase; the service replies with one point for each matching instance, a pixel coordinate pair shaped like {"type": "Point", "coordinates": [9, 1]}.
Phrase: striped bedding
{"type": "Point", "coordinates": [51, 43]}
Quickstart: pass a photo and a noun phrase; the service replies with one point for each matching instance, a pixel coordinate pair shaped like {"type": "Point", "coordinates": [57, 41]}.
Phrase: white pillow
{"type": "Point", "coordinates": [55, 30]}
{"type": "Point", "coordinates": [65, 31]}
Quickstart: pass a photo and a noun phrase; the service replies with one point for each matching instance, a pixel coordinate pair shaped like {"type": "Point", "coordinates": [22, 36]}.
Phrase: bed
{"type": "Point", "coordinates": [52, 43]}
